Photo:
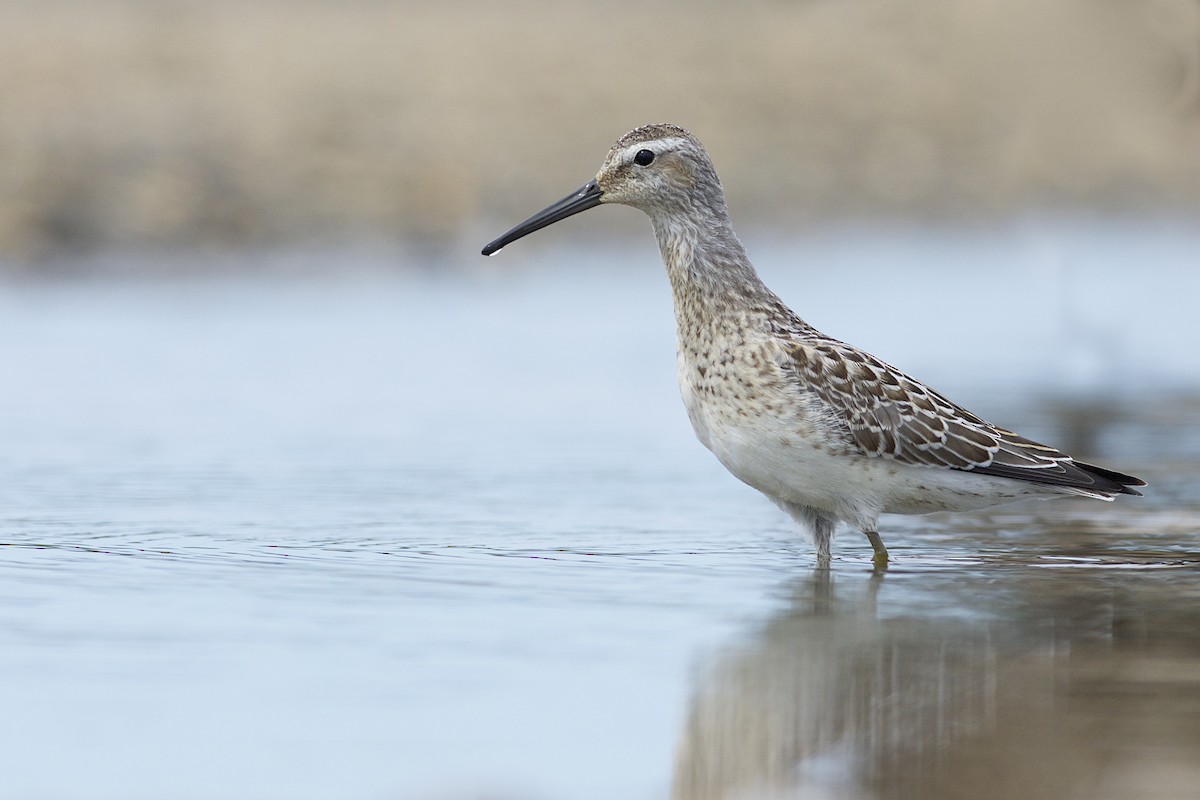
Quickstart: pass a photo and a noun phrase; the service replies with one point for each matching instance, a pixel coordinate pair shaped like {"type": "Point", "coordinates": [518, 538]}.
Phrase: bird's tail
{"type": "Point", "coordinates": [1106, 483]}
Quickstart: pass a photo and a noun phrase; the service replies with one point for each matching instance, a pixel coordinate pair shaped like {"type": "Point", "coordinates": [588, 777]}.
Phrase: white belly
{"type": "Point", "coordinates": [789, 456]}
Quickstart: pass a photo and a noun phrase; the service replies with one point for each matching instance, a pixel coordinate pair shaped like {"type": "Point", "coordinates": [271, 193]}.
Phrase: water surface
{"type": "Point", "coordinates": [376, 535]}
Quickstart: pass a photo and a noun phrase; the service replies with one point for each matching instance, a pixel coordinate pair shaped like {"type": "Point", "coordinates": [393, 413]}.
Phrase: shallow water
{"type": "Point", "coordinates": [368, 535]}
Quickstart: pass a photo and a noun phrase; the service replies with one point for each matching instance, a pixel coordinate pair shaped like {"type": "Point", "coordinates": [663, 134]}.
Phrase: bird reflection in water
{"type": "Point", "coordinates": [1072, 690]}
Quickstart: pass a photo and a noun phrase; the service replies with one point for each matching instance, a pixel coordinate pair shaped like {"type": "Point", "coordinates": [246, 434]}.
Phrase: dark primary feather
{"type": "Point", "coordinates": [890, 415]}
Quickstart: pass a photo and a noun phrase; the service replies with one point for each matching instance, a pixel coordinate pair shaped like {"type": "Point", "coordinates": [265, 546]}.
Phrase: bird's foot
{"type": "Point", "coordinates": [880, 559]}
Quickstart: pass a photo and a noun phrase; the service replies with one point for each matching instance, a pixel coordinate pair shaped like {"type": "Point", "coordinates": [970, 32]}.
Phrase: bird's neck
{"type": "Point", "coordinates": [708, 268]}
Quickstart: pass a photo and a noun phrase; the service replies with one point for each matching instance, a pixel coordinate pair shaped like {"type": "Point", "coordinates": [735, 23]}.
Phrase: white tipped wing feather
{"type": "Point", "coordinates": [887, 414]}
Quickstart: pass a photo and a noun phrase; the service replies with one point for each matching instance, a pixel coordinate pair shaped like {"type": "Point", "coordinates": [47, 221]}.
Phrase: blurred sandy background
{"type": "Point", "coordinates": [142, 123]}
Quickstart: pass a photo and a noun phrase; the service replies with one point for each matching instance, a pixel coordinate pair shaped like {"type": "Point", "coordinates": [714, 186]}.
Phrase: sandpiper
{"type": "Point", "coordinates": [829, 433]}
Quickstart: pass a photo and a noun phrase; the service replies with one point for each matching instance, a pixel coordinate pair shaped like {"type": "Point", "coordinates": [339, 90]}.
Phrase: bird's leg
{"type": "Point", "coordinates": [822, 527]}
{"type": "Point", "coordinates": [818, 523]}
{"type": "Point", "coordinates": [881, 554]}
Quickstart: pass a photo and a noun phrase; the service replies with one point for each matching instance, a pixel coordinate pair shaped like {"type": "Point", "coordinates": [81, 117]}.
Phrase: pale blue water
{"type": "Point", "coordinates": [384, 534]}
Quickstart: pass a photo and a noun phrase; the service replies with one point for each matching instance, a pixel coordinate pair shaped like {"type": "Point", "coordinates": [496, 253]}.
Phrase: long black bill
{"type": "Point", "coordinates": [588, 196]}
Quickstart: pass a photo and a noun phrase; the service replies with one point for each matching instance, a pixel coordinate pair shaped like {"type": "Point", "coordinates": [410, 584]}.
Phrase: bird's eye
{"type": "Point", "coordinates": [643, 157]}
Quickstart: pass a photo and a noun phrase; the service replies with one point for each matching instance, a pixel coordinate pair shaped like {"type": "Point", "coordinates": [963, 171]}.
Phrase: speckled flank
{"type": "Point", "coordinates": [828, 432]}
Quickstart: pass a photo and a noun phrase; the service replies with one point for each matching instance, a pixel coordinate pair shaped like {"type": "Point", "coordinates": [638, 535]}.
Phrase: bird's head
{"type": "Point", "coordinates": [660, 169]}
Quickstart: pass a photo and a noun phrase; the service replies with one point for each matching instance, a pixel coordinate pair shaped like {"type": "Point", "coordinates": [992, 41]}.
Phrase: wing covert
{"type": "Point", "coordinates": [890, 415]}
